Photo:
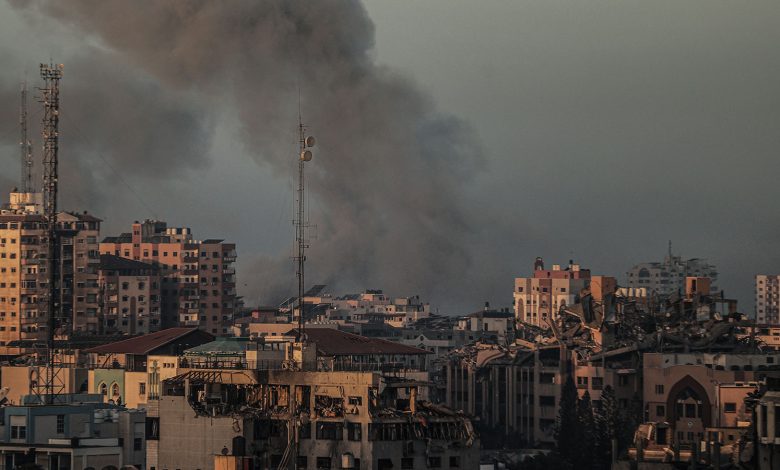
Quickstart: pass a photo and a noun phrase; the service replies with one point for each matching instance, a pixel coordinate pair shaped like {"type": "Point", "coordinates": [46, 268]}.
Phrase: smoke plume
{"type": "Point", "coordinates": [389, 171]}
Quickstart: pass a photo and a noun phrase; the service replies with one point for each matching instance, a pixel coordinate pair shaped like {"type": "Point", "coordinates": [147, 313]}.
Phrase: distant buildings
{"type": "Point", "coordinates": [198, 280]}
{"type": "Point", "coordinates": [767, 288]}
{"type": "Point", "coordinates": [668, 277]}
{"type": "Point", "coordinates": [538, 298]}
{"type": "Point", "coordinates": [369, 306]}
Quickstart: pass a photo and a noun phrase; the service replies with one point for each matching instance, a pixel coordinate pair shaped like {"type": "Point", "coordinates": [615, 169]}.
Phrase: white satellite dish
{"type": "Point", "coordinates": [306, 155]}
{"type": "Point", "coordinates": [310, 141]}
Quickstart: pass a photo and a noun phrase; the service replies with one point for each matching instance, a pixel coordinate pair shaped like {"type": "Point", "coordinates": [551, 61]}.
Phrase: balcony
{"type": "Point", "coordinates": [229, 271]}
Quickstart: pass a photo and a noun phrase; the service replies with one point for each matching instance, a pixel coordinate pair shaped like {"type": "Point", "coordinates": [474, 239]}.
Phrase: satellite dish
{"type": "Point", "coordinates": [310, 141]}
{"type": "Point", "coordinates": [306, 155]}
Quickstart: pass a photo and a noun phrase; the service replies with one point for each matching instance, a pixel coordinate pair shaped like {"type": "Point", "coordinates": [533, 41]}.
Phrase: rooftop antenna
{"type": "Point", "coordinates": [25, 145]}
{"type": "Point", "coordinates": [305, 155]}
{"type": "Point", "coordinates": [50, 97]}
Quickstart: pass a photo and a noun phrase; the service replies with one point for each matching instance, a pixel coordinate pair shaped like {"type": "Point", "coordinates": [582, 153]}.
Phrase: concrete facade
{"type": "Point", "coordinates": [538, 299]}
{"type": "Point", "coordinates": [198, 285]}
{"type": "Point", "coordinates": [767, 289]}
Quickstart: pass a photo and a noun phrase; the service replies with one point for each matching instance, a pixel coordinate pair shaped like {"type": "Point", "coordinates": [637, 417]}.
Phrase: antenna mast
{"type": "Point", "coordinates": [25, 145]}
{"type": "Point", "coordinates": [51, 75]}
{"type": "Point", "coordinates": [300, 224]}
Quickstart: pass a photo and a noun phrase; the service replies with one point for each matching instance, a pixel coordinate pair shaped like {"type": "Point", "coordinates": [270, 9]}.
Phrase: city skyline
{"type": "Point", "coordinates": [634, 162]}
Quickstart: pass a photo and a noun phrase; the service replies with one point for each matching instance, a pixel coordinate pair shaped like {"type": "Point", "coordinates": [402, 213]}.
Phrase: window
{"type": "Point", "coordinates": [142, 388]}
{"type": "Point", "coordinates": [434, 462]}
{"type": "Point", "coordinates": [354, 431]}
{"type": "Point", "coordinates": [103, 389]}
{"type": "Point", "coordinates": [60, 424]}
{"type": "Point", "coordinates": [304, 431]}
{"type": "Point", "coordinates": [660, 410]}
{"type": "Point", "coordinates": [622, 380]}
{"type": "Point", "coordinates": [407, 463]}
{"type": "Point", "coordinates": [730, 408]}
{"type": "Point", "coordinates": [138, 443]}
{"type": "Point", "coordinates": [330, 431]}
{"type": "Point", "coordinates": [323, 463]}
{"type": "Point", "coordinates": [301, 462]}
{"type": "Point", "coordinates": [659, 389]}
{"type": "Point", "coordinates": [454, 461]}
{"type": "Point", "coordinates": [582, 382]}
{"type": "Point", "coordinates": [545, 400]}
{"type": "Point", "coordinates": [355, 400]}
{"type": "Point", "coordinates": [597, 383]}
{"type": "Point", "coordinates": [18, 432]}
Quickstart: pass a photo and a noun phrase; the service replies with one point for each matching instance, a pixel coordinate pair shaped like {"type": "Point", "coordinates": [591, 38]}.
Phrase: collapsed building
{"type": "Point", "coordinates": [681, 364]}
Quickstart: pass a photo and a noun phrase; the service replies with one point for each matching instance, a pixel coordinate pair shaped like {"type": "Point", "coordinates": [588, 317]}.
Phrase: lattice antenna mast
{"type": "Point", "coordinates": [51, 75]}
{"type": "Point", "coordinates": [305, 143]}
{"type": "Point", "coordinates": [25, 145]}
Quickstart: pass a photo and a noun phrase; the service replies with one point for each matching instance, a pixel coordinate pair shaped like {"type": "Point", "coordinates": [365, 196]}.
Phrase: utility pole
{"type": "Point", "coordinates": [51, 75]}
{"type": "Point", "coordinates": [300, 223]}
{"type": "Point", "coordinates": [25, 146]}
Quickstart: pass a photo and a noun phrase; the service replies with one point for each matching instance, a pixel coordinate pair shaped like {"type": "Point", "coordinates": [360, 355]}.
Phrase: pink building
{"type": "Point", "coordinates": [198, 285]}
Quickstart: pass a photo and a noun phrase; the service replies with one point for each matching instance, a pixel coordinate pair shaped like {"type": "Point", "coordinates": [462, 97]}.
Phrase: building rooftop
{"type": "Point", "coordinates": [146, 344]}
{"type": "Point", "coordinates": [332, 342]}
{"type": "Point", "coordinates": [224, 346]}
{"type": "Point", "coordinates": [491, 314]}
{"type": "Point", "coordinates": [112, 262]}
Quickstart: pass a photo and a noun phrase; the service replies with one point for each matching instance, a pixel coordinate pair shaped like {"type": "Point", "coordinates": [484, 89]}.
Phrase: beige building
{"type": "Point", "coordinates": [767, 290]}
{"type": "Point", "coordinates": [539, 298]}
{"type": "Point", "coordinates": [198, 285]}
{"type": "Point", "coordinates": [699, 394]}
{"type": "Point", "coordinates": [314, 420]}
{"type": "Point", "coordinates": [24, 280]}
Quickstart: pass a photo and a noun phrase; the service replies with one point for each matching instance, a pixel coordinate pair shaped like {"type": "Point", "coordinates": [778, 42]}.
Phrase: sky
{"type": "Point", "coordinates": [457, 140]}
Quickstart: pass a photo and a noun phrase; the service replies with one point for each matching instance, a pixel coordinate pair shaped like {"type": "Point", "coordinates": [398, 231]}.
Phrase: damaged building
{"type": "Point", "coordinates": [308, 419]}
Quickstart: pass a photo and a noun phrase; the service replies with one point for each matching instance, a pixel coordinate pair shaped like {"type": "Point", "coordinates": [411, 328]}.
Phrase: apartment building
{"type": "Point", "coordinates": [538, 298]}
{"type": "Point", "coordinates": [668, 276]}
{"type": "Point", "coordinates": [198, 279]}
{"type": "Point", "coordinates": [130, 295]}
{"type": "Point", "coordinates": [24, 281]}
{"type": "Point", "coordinates": [767, 288]}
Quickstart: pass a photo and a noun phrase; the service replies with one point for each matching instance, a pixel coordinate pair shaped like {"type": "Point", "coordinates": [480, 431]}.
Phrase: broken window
{"type": "Point", "coordinates": [329, 407]}
{"type": "Point", "coordinates": [330, 431]}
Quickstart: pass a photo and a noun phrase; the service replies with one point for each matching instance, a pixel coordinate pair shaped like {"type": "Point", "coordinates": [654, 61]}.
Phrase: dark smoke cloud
{"type": "Point", "coordinates": [389, 174]}
{"type": "Point", "coordinates": [116, 125]}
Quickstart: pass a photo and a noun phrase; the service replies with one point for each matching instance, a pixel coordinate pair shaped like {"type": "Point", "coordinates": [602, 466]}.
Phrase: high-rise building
{"type": "Point", "coordinates": [539, 298]}
{"type": "Point", "coordinates": [130, 293]}
{"type": "Point", "coordinates": [198, 280]}
{"type": "Point", "coordinates": [768, 299]}
{"type": "Point", "coordinates": [668, 277]}
{"type": "Point", "coordinates": [24, 283]}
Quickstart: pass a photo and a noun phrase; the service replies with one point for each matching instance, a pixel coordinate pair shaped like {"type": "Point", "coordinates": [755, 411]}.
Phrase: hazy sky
{"type": "Point", "coordinates": [599, 130]}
